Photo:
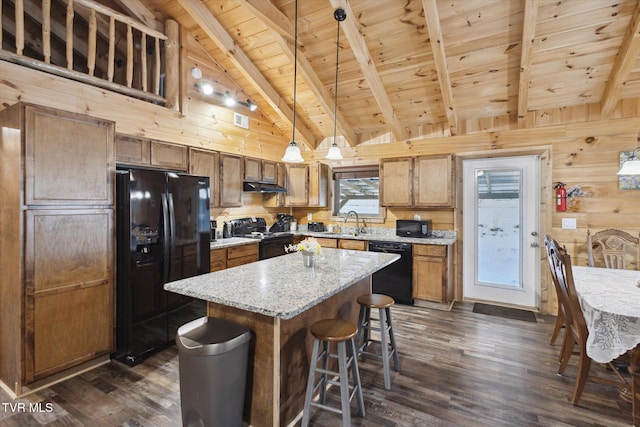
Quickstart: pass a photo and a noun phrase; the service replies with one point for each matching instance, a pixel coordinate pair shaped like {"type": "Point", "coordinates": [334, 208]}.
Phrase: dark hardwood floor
{"type": "Point", "coordinates": [458, 368]}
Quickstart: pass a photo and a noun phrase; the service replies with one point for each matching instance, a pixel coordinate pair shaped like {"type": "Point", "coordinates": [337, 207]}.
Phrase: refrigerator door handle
{"type": "Point", "coordinates": [172, 229]}
{"type": "Point", "coordinates": [166, 238]}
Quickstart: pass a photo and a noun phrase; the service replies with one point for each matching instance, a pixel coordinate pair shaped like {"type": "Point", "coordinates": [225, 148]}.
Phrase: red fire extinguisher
{"type": "Point", "coordinates": [561, 197]}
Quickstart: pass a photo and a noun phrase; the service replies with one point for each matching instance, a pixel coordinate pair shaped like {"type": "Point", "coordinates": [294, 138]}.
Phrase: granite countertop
{"type": "Point", "coordinates": [440, 237]}
{"type": "Point", "coordinates": [282, 287]}
{"type": "Point", "coordinates": [232, 241]}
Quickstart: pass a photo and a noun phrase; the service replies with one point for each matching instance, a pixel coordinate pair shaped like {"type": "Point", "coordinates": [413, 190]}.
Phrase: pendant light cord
{"type": "Point", "coordinates": [295, 70]}
{"type": "Point", "coordinates": [335, 101]}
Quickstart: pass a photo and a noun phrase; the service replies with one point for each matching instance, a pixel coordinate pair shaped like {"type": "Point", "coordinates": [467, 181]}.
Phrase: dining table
{"type": "Point", "coordinates": [610, 301]}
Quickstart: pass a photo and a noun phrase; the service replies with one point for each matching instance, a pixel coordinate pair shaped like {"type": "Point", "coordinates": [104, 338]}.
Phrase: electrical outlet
{"type": "Point", "coordinates": [309, 216]}
{"type": "Point", "coordinates": [569, 223]}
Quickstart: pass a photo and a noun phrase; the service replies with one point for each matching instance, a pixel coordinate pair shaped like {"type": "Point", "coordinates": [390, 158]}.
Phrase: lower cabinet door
{"type": "Point", "coordinates": [69, 328]}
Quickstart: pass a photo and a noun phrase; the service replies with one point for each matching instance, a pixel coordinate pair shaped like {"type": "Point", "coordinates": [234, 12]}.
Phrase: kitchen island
{"type": "Point", "coordinates": [279, 299]}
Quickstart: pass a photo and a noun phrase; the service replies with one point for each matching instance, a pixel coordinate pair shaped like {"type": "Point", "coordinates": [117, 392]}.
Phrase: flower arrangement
{"type": "Point", "coordinates": [307, 245]}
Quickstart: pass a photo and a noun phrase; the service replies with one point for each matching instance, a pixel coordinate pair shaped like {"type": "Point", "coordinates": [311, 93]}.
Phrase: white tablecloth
{"type": "Point", "coordinates": [610, 301]}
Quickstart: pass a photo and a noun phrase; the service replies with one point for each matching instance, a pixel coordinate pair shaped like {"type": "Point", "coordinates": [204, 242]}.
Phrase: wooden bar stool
{"type": "Point", "coordinates": [383, 304]}
{"type": "Point", "coordinates": [340, 332]}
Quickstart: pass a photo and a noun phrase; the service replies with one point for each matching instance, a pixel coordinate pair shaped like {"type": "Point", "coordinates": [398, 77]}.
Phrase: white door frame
{"type": "Point", "coordinates": [547, 302]}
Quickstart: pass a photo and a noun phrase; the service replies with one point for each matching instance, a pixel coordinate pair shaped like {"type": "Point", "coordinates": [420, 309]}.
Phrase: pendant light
{"type": "Point", "coordinates": [632, 165]}
{"type": "Point", "coordinates": [292, 154]}
{"type": "Point", "coordinates": [334, 151]}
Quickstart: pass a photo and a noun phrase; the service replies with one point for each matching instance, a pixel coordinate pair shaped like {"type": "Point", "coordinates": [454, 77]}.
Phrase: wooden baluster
{"type": "Point", "coordinates": [143, 60]}
{"type": "Point", "coordinates": [129, 56]}
{"type": "Point", "coordinates": [91, 54]}
{"type": "Point", "coordinates": [46, 30]}
{"type": "Point", "coordinates": [0, 24]}
{"type": "Point", "coordinates": [19, 6]}
{"type": "Point", "coordinates": [70, 35]}
{"type": "Point", "coordinates": [157, 76]}
{"type": "Point", "coordinates": [112, 48]}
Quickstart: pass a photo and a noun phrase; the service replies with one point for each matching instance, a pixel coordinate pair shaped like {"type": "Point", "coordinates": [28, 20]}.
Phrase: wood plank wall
{"type": "Point", "coordinates": [584, 149]}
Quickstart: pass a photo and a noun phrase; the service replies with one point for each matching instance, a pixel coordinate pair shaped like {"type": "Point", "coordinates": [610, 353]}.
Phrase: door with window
{"type": "Point", "coordinates": [501, 222]}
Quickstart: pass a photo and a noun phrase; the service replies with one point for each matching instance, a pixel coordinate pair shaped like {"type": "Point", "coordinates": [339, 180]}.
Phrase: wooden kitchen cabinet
{"type": "Point", "coordinates": [252, 169]}
{"type": "Point", "coordinates": [396, 182]}
{"type": "Point", "coordinates": [421, 182]}
{"type": "Point", "coordinates": [243, 254]}
{"type": "Point", "coordinates": [231, 177]}
{"type": "Point", "coordinates": [269, 172]}
{"type": "Point", "coordinates": [433, 181]}
{"type": "Point", "coordinates": [318, 184]}
{"type": "Point", "coordinates": [57, 243]}
{"type": "Point", "coordinates": [233, 256]}
{"type": "Point", "coordinates": [260, 170]}
{"type": "Point", "coordinates": [218, 259]}
{"type": "Point", "coordinates": [358, 245]}
{"type": "Point", "coordinates": [297, 185]}
{"type": "Point", "coordinates": [207, 163]}
{"type": "Point", "coordinates": [431, 272]}
{"type": "Point", "coordinates": [326, 242]}
{"type": "Point", "coordinates": [136, 151]}
{"type": "Point", "coordinates": [307, 185]}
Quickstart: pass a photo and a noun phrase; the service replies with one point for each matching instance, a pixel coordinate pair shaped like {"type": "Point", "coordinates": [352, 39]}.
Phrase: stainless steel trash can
{"type": "Point", "coordinates": [212, 361]}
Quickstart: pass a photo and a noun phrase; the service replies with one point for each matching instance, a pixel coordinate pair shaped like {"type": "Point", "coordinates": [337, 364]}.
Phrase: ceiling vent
{"type": "Point", "coordinates": [241, 120]}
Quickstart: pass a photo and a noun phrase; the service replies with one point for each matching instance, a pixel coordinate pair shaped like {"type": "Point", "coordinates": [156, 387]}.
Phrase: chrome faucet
{"type": "Point", "coordinates": [357, 221]}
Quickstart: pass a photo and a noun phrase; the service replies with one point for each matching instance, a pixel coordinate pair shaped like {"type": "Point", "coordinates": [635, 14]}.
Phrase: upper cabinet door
{"type": "Point", "coordinates": [433, 181]}
{"type": "Point", "coordinates": [171, 156]}
{"type": "Point", "coordinates": [269, 172]}
{"type": "Point", "coordinates": [318, 184]}
{"type": "Point", "coordinates": [207, 163]}
{"type": "Point", "coordinates": [252, 169]}
{"type": "Point", "coordinates": [231, 177]}
{"type": "Point", "coordinates": [396, 186]}
{"type": "Point", "coordinates": [297, 185]}
{"type": "Point", "coordinates": [69, 160]}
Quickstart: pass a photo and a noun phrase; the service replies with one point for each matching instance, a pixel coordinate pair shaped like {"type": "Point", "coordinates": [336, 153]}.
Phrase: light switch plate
{"type": "Point", "coordinates": [569, 223]}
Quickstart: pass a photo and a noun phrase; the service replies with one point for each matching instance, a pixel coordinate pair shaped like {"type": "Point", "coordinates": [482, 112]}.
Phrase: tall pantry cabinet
{"type": "Point", "coordinates": [56, 243]}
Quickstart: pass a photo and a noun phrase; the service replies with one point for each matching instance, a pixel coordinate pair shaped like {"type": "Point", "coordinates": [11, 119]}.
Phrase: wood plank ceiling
{"type": "Point", "coordinates": [414, 68]}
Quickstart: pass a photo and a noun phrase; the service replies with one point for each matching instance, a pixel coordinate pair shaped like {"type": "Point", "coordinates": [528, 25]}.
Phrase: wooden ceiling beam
{"type": "Point", "coordinates": [367, 65]}
{"type": "Point", "coordinates": [273, 19]}
{"type": "Point", "coordinates": [212, 27]}
{"type": "Point", "coordinates": [136, 9]}
{"type": "Point", "coordinates": [440, 60]}
{"type": "Point", "coordinates": [627, 57]}
{"type": "Point", "coordinates": [271, 16]}
{"type": "Point", "coordinates": [528, 36]}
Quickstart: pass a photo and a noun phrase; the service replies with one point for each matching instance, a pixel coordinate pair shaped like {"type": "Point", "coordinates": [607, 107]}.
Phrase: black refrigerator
{"type": "Point", "coordinates": [163, 234]}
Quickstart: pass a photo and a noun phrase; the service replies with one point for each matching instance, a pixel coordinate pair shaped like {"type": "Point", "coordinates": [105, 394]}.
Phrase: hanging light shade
{"type": "Point", "coordinates": [292, 153]}
{"type": "Point", "coordinates": [632, 165]}
{"type": "Point", "coordinates": [334, 151]}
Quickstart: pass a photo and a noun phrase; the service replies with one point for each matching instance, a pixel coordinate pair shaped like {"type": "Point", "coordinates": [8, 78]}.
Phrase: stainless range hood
{"type": "Point", "coordinates": [261, 187]}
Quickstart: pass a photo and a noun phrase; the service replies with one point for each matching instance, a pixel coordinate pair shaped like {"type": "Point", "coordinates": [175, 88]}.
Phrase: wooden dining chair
{"type": "Point", "coordinates": [561, 318]}
{"type": "Point", "coordinates": [615, 246]}
{"type": "Point", "coordinates": [576, 333]}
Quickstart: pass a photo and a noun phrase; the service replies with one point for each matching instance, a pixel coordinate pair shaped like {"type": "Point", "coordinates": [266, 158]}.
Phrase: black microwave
{"type": "Point", "coordinates": [413, 228]}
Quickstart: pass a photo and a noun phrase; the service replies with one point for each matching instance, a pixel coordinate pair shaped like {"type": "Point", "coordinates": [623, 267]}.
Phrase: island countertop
{"type": "Point", "coordinates": [282, 287]}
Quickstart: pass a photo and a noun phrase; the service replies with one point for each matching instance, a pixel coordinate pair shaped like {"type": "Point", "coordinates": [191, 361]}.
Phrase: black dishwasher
{"type": "Point", "coordinates": [395, 279]}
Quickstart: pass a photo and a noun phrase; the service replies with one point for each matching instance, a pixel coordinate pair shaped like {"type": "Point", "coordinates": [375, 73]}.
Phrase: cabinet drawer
{"type": "Point", "coordinates": [241, 251]}
{"type": "Point", "coordinates": [430, 250]}
{"type": "Point", "coordinates": [327, 243]}
{"type": "Point", "coordinates": [242, 260]}
{"type": "Point", "coordinates": [359, 245]}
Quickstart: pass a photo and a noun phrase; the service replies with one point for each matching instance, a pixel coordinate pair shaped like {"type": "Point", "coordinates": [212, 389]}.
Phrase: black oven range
{"type": "Point", "coordinates": [271, 244]}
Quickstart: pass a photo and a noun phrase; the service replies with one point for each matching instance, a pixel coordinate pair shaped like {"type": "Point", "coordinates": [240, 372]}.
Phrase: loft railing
{"type": "Point", "coordinates": [123, 66]}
